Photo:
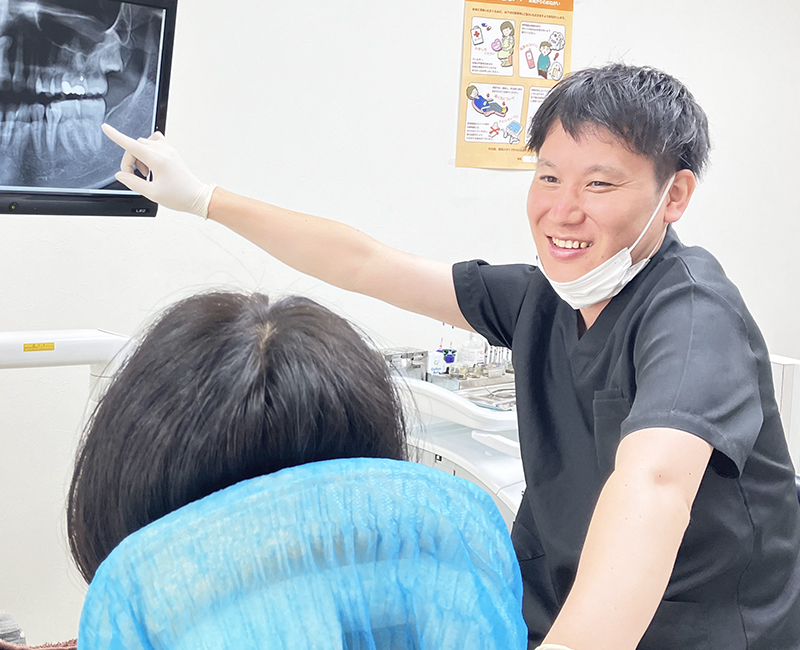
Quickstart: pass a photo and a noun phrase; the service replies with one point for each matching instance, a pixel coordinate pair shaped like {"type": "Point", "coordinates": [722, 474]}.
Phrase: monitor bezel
{"type": "Point", "coordinates": [125, 204]}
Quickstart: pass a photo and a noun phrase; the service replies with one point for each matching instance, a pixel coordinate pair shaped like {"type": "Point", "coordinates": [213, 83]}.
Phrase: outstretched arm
{"type": "Point", "coordinates": [342, 256]}
{"type": "Point", "coordinates": [325, 249]}
{"type": "Point", "coordinates": [633, 540]}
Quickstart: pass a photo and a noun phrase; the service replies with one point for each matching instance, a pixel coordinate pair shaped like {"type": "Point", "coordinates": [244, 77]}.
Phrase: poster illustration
{"type": "Point", "coordinates": [497, 113]}
{"type": "Point", "coordinates": [492, 50]}
{"type": "Point", "coordinates": [542, 46]}
{"type": "Point", "coordinates": [514, 52]}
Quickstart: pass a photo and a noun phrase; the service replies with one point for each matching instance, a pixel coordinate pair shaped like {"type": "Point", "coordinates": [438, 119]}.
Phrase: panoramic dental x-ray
{"type": "Point", "coordinates": [66, 66]}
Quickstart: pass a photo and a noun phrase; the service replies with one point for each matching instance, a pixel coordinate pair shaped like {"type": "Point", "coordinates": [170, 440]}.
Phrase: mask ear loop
{"type": "Point", "coordinates": [652, 218]}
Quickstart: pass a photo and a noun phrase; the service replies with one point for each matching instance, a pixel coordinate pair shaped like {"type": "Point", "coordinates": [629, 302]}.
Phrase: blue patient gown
{"type": "Point", "coordinates": [351, 553]}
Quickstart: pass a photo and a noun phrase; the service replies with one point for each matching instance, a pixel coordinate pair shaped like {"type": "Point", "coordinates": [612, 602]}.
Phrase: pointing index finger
{"type": "Point", "coordinates": [124, 141]}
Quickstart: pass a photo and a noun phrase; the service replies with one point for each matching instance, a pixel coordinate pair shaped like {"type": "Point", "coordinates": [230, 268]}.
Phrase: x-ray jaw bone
{"type": "Point", "coordinates": [65, 67]}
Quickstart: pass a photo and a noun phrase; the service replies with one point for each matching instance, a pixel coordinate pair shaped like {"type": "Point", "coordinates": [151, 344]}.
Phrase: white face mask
{"type": "Point", "coordinates": [608, 279]}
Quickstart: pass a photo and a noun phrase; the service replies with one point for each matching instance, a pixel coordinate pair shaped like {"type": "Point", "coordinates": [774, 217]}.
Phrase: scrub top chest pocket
{"type": "Point", "coordinates": [610, 409]}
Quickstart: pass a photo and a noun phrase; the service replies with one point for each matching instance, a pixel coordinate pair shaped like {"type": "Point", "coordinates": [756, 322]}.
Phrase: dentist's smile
{"type": "Point", "coordinates": [568, 249]}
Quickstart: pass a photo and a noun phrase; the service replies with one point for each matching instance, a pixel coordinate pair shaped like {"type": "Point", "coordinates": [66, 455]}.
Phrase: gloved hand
{"type": "Point", "coordinates": [173, 185]}
{"type": "Point", "coordinates": [552, 646]}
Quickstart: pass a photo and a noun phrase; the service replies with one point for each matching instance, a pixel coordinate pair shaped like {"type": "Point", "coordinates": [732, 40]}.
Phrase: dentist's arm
{"type": "Point", "coordinates": [633, 540]}
{"type": "Point", "coordinates": [325, 249]}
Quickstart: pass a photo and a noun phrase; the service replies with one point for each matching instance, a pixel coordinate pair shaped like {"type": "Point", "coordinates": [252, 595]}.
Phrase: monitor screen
{"type": "Point", "coordinates": [67, 66]}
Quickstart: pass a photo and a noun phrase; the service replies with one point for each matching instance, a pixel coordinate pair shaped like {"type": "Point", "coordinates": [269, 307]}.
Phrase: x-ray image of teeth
{"type": "Point", "coordinates": [66, 66]}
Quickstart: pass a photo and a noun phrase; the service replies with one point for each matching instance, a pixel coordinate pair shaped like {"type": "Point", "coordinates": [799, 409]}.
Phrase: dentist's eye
{"type": "Point", "coordinates": [600, 186]}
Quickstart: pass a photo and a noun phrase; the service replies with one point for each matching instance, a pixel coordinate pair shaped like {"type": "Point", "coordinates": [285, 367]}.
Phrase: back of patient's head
{"type": "Point", "coordinates": [650, 112]}
{"type": "Point", "coordinates": [225, 387]}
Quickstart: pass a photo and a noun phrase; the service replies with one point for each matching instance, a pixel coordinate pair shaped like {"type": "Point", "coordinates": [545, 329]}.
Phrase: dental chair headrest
{"type": "Point", "coordinates": [352, 553]}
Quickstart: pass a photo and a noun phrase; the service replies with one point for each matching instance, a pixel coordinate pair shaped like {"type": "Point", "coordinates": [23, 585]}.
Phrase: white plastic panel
{"type": "Point", "coordinates": [59, 348]}
{"type": "Point", "coordinates": [442, 403]}
{"type": "Point", "coordinates": [786, 377]}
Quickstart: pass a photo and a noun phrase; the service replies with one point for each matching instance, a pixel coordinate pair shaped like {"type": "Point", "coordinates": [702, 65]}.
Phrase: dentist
{"type": "Point", "coordinates": [660, 509]}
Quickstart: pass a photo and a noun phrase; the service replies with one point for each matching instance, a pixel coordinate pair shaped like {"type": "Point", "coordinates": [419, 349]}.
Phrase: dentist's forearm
{"type": "Point", "coordinates": [342, 255]}
{"type": "Point", "coordinates": [624, 569]}
{"type": "Point", "coordinates": [328, 250]}
{"type": "Point", "coordinates": [633, 540]}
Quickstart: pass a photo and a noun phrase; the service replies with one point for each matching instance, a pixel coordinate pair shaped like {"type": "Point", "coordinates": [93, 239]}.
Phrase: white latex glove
{"type": "Point", "coordinates": [173, 185]}
{"type": "Point", "coordinates": [552, 646]}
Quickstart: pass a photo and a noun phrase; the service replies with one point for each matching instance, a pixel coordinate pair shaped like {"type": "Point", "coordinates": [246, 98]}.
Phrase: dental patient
{"type": "Point", "coordinates": [243, 484]}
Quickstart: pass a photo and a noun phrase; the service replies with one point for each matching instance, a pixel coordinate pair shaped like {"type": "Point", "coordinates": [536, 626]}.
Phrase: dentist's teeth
{"type": "Point", "coordinates": [569, 243]}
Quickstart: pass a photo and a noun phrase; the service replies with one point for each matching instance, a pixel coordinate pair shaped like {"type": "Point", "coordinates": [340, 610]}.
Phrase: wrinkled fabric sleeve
{"type": "Point", "coordinates": [490, 297]}
{"type": "Point", "coordinates": [696, 371]}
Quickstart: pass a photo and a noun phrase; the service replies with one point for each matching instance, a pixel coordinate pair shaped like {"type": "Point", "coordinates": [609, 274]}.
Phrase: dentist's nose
{"type": "Point", "coordinates": [565, 208]}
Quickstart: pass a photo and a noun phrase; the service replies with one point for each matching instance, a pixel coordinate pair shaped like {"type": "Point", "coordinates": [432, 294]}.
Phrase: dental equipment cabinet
{"type": "Point", "coordinates": [462, 417]}
{"type": "Point", "coordinates": [447, 430]}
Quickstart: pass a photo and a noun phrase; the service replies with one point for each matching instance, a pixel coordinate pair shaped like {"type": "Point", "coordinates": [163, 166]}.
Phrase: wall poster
{"type": "Point", "coordinates": [514, 52]}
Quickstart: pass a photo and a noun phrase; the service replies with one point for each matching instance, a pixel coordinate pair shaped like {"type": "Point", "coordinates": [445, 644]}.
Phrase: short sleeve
{"type": "Point", "coordinates": [491, 297]}
{"type": "Point", "coordinates": [696, 371]}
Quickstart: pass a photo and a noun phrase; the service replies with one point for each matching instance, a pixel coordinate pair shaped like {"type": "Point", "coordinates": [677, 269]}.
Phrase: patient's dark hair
{"type": "Point", "coordinates": [225, 387]}
{"type": "Point", "coordinates": [648, 111]}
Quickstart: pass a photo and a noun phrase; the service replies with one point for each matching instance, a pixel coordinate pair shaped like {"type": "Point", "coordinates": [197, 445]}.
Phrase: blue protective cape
{"type": "Point", "coordinates": [352, 553]}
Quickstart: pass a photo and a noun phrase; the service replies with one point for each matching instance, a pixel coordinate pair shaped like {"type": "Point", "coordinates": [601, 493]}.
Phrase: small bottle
{"type": "Point", "coordinates": [473, 352]}
{"type": "Point", "coordinates": [436, 365]}
{"type": "Point", "coordinates": [449, 359]}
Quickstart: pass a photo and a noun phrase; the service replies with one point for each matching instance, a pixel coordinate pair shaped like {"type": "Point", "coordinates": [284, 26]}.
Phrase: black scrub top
{"type": "Point", "coordinates": [676, 348]}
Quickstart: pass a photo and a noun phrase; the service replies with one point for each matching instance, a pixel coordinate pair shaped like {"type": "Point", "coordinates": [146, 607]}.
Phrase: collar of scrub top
{"type": "Point", "coordinates": [350, 553]}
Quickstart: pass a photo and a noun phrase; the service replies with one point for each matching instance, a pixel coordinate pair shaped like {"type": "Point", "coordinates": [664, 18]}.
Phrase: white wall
{"type": "Point", "coordinates": [348, 110]}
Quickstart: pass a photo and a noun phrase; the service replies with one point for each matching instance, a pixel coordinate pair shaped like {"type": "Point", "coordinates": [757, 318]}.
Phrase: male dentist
{"type": "Point", "coordinates": [660, 509]}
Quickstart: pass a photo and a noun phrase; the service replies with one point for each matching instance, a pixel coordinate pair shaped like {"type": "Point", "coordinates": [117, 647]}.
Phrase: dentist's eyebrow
{"type": "Point", "coordinates": [604, 169]}
{"type": "Point", "coordinates": [593, 169]}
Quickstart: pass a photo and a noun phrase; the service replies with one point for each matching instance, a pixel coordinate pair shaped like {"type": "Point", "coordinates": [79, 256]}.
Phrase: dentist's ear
{"type": "Point", "coordinates": [679, 195]}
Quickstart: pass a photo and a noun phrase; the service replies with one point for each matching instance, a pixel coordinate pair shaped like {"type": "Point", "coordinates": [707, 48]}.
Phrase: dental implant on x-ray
{"type": "Point", "coordinates": [66, 66]}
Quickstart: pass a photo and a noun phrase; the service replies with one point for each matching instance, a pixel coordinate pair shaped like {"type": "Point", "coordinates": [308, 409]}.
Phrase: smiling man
{"type": "Point", "coordinates": [660, 509]}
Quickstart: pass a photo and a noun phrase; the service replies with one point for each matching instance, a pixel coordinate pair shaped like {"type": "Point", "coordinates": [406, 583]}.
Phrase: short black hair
{"type": "Point", "coordinates": [650, 112]}
{"type": "Point", "coordinates": [225, 387]}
